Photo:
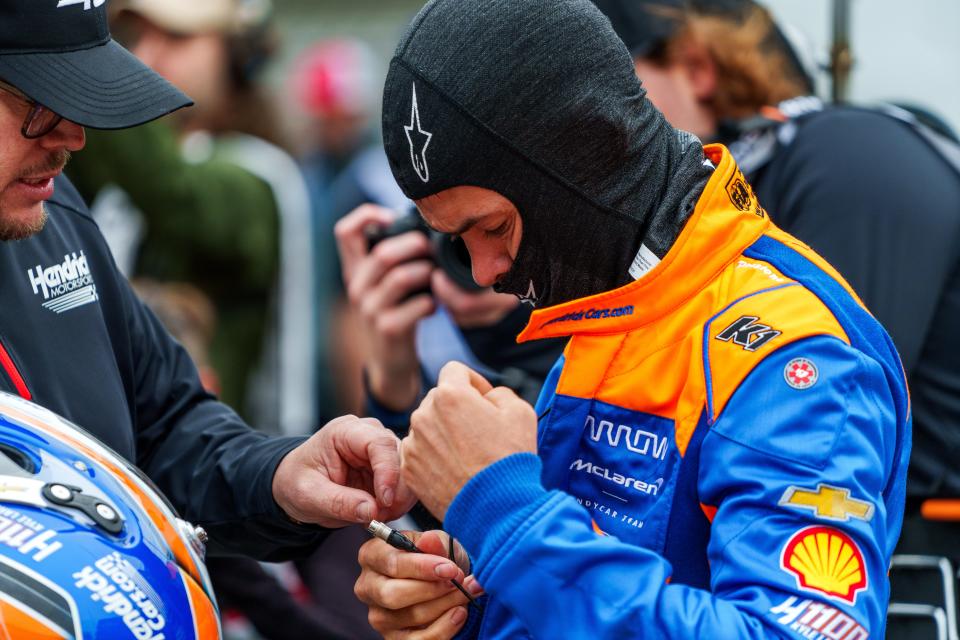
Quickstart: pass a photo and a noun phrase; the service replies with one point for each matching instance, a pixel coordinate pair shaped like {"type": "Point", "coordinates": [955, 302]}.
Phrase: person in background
{"type": "Point", "coordinates": [190, 318]}
{"type": "Point", "coordinates": [873, 190]}
{"type": "Point", "coordinates": [333, 87]}
{"type": "Point", "coordinates": [215, 201]}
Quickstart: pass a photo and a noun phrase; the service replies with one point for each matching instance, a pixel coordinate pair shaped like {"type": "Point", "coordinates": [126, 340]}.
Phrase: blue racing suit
{"type": "Point", "coordinates": [722, 452]}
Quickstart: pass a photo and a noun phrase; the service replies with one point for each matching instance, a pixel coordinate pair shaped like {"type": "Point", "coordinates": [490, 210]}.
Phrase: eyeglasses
{"type": "Point", "coordinates": [39, 121]}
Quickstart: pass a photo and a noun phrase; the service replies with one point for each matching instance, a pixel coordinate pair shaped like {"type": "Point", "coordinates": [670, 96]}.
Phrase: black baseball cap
{"type": "Point", "coordinates": [60, 53]}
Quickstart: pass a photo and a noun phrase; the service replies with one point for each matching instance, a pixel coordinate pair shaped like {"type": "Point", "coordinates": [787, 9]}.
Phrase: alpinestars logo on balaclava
{"type": "Point", "coordinates": [419, 141]}
{"type": "Point", "coordinates": [539, 102]}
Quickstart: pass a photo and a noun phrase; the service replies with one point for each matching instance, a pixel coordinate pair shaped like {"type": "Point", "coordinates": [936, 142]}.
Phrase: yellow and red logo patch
{"type": "Point", "coordinates": [826, 560]}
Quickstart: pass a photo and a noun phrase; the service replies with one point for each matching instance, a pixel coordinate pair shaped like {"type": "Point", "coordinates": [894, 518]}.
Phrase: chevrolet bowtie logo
{"type": "Point", "coordinates": [830, 503]}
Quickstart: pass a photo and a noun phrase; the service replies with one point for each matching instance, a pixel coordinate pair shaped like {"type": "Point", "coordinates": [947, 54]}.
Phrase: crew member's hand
{"type": "Point", "coordinates": [379, 284]}
{"type": "Point", "coordinates": [462, 426]}
{"type": "Point", "coordinates": [471, 309]}
{"type": "Point", "coordinates": [346, 473]}
{"type": "Point", "coordinates": [409, 594]}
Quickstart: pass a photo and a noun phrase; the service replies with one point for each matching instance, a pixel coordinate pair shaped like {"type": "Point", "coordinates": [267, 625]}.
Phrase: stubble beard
{"type": "Point", "coordinates": [13, 228]}
{"type": "Point", "coordinates": [22, 229]}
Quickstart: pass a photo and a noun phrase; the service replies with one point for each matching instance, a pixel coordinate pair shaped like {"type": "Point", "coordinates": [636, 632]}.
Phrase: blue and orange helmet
{"type": "Point", "coordinates": [89, 548]}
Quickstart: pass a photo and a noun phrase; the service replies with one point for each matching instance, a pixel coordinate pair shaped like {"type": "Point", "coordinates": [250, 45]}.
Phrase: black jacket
{"type": "Point", "coordinates": [84, 346]}
{"type": "Point", "coordinates": [882, 205]}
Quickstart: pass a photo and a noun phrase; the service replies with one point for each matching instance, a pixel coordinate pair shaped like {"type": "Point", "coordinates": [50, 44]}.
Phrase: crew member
{"type": "Point", "coordinates": [76, 340]}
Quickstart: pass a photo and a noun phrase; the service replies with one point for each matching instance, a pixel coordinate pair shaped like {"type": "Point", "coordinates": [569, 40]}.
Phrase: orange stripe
{"type": "Point", "coordinates": [945, 510]}
{"type": "Point", "coordinates": [773, 113]}
{"type": "Point", "coordinates": [147, 502]}
{"type": "Point", "coordinates": [206, 621]}
{"type": "Point", "coordinates": [17, 623]}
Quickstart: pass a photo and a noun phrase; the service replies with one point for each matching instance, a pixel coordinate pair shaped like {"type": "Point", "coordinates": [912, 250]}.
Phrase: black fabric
{"type": "Point", "coordinates": [110, 366]}
{"type": "Point", "coordinates": [524, 365]}
{"type": "Point", "coordinates": [61, 55]}
{"type": "Point", "coordinates": [276, 614]}
{"type": "Point", "coordinates": [643, 26]}
{"type": "Point", "coordinates": [538, 101]}
{"type": "Point", "coordinates": [874, 198]}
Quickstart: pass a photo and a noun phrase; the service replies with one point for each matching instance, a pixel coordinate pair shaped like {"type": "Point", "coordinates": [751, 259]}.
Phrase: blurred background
{"type": "Point", "coordinates": [902, 51]}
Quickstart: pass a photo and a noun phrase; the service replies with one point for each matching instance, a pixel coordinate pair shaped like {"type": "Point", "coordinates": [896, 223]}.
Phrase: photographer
{"type": "Point", "coordinates": [418, 309]}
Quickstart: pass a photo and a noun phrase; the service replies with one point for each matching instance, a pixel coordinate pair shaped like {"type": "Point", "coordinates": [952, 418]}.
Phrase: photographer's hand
{"type": "Point", "coordinates": [471, 309]}
{"type": "Point", "coordinates": [379, 283]}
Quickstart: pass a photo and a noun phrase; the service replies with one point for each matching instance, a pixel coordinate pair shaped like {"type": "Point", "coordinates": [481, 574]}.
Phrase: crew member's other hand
{"type": "Point", "coordinates": [346, 473]}
{"type": "Point", "coordinates": [462, 426]}
{"type": "Point", "coordinates": [471, 309]}
{"type": "Point", "coordinates": [379, 284]}
{"type": "Point", "coordinates": [409, 594]}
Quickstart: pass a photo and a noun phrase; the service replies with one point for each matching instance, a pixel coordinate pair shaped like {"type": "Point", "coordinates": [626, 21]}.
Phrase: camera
{"type": "Point", "coordinates": [450, 252]}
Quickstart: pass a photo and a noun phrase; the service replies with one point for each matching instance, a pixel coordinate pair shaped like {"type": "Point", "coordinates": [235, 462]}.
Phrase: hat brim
{"type": "Point", "coordinates": [103, 87]}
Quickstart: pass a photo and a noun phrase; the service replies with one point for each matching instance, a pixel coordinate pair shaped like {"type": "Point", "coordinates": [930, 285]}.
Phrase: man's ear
{"type": "Point", "coordinates": [701, 70]}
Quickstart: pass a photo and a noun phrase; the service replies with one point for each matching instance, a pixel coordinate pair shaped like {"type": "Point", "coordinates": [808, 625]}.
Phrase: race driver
{"type": "Point", "coordinates": [721, 450]}
{"type": "Point", "coordinates": [76, 340]}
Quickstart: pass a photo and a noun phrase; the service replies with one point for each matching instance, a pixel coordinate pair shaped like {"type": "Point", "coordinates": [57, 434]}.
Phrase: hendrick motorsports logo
{"type": "Point", "coordinates": [87, 4]}
{"type": "Point", "coordinates": [120, 588]}
{"type": "Point", "coordinates": [64, 286]}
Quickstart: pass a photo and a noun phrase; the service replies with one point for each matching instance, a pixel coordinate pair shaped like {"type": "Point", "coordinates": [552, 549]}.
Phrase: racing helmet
{"type": "Point", "coordinates": [89, 548]}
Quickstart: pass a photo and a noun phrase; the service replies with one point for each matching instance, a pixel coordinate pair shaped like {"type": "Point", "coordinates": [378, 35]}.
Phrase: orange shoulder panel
{"type": "Point", "coordinates": [740, 337]}
{"type": "Point", "coordinates": [814, 257]}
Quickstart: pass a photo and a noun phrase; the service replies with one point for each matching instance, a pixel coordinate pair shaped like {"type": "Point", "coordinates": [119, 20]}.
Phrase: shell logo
{"type": "Point", "coordinates": [826, 560]}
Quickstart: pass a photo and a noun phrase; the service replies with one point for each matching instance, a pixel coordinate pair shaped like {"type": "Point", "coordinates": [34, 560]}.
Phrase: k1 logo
{"type": "Point", "coordinates": [748, 333]}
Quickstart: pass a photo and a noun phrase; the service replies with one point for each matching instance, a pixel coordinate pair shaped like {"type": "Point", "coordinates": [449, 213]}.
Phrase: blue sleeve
{"type": "Point", "coordinates": [536, 553]}
{"type": "Point", "coordinates": [549, 387]}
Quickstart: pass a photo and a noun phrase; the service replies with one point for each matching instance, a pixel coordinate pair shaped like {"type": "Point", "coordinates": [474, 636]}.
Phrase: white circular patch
{"type": "Point", "coordinates": [801, 373]}
{"type": "Point", "coordinates": [60, 492]}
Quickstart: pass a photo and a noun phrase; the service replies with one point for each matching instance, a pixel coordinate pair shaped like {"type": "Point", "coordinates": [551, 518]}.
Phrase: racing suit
{"type": "Point", "coordinates": [76, 340]}
{"type": "Point", "coordinates": [722, 452]}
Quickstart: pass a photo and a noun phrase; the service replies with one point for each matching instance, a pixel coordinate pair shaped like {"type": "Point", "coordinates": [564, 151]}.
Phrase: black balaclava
{"type": "Point", "coordinates": [538, 101]}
